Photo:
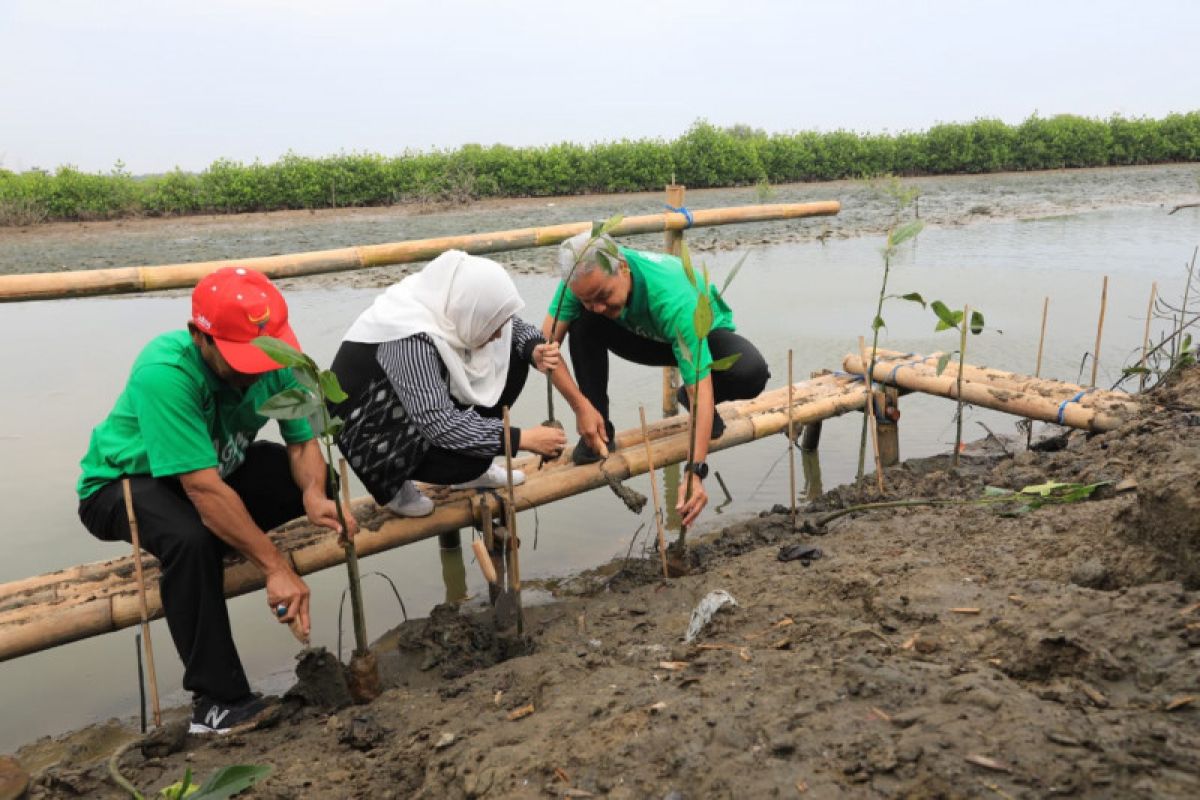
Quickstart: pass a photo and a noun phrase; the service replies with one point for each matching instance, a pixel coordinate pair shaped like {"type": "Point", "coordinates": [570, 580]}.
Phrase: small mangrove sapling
{"type": "Point", "coordinates": [309, 400]}
{"type": "Point", "coordinates": [961, 321]}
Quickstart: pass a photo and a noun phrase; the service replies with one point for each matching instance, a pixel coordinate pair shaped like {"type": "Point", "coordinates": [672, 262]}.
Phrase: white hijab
{"type": "Point", "coordinates": [459, 301]}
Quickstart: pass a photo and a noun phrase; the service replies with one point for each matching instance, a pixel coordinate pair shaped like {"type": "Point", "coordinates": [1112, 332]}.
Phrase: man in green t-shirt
{"type": "Point", "coordinates": [183, 433]}
{"type": "Point", "coordinates": [640, 306]}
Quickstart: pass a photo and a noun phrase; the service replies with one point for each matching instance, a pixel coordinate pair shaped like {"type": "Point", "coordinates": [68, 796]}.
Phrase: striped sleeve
{"type": "Point", "coordinates": [418, 377]}
{"type": "Point", "coordinates": [525, 338]}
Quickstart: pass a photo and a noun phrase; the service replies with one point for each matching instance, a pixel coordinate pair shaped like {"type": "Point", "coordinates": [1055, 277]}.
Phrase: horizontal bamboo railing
{"type": "Point", "coordinates": [1040, 399]}
{"type": "Point", "coordinates": [45, 611]}
{"type": "Point", "coordinates": [121, 280]}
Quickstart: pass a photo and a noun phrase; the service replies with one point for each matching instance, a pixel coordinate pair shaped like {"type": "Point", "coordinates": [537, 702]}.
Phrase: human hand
{"type": "Point", "coordinates": [690, 508]}
{"type": "Point", "coordinates": [590, 426]}
{"type": "Point", "coordinates": [286, 589]}
{"type": "Point", "coordinates": [322, 511]}
{"type": "Point", "coordinates": [543, 440]}
{"type": "Point", "coordinates": [546, 357]}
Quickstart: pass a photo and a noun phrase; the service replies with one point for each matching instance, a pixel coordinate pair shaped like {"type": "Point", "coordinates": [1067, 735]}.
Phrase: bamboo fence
{"type": "Point", "coordinates": [121, 280]}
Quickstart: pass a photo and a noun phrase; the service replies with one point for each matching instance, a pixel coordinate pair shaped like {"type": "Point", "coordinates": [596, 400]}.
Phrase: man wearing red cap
{"type": "Point", "coordinates": [183, 433]}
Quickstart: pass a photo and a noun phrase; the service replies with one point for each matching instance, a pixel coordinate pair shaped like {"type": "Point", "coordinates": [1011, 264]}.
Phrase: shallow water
{"type": "Point", "coordinates": [67, 361]}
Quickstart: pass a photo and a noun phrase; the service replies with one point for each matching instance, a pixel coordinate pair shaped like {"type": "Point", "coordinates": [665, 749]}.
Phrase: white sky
{"type": "Point", "coordinates": [158, 83]}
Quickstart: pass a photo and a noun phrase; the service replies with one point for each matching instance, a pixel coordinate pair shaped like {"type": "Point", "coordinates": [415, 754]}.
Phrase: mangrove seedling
{"type": "Point", "coordinates": [309, 400]}
{"type": "Point", "coordinates": [221, 785]}
{"type": "Point", "coordinates": [702, 322]}
{"type": "Point", "coordinates": [897, 234]}
{"type": "Point", "coordinates": [961, 321]}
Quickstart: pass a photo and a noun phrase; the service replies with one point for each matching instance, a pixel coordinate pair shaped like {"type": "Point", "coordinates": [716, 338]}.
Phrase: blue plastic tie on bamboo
{"type": "Point", "coordinates": [686, 214]}
{"type": "Point", "coordinates": [1062, 407]}
{"type": "Point", "coordinates": [891, 378]}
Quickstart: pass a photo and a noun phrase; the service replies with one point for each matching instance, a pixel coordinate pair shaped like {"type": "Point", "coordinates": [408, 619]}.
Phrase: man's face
{"type": "Point", "coordinates": [217, 363]}
{"type": "Point", "coordinates": [602, 293]}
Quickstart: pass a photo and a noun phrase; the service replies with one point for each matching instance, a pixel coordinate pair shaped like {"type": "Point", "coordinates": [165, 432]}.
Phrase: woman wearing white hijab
{"type": "Point", "coordinates": [428, 368]}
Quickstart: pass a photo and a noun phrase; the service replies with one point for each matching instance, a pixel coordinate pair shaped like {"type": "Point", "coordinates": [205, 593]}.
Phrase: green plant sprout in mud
{"type": "Point", "coordinates": [221, 785]}
{"type": "Point", "coordinates": [702, 322]}
{"type": "Point", "coordinates": [897, 234]}
{"type": "Point", "coordinates": [309, 400]}
{"type": "Point", "coordinates": [961, 321]}
{"type": "Point", "coordinates": [1175, 350]}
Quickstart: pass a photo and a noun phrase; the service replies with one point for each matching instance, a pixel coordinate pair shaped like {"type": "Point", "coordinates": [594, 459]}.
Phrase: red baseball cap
{"type": "Point", "coordinates": [235, 305]}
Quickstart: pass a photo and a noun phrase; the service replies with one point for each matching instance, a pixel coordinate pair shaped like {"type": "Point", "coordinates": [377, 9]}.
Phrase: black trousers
{"type": "Point", "coordinates": [593, 337]}
{"type": "Point", "coordinates": [444, 467]}
{"type": "Point", "coordinates": [192, 557]}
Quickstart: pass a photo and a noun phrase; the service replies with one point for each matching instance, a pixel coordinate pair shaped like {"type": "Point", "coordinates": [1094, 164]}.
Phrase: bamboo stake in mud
{"type": "Point", "coordinates": [1099, 331]}
{"type": "Point", "coordinates": [870, 411]}
{"type": "Point", "coordinates": [361, 644]}
{"type": "Point", "coordinates": [962, 358]}
{"type": "Point", "coordinates": [141, 580]}
{"type": "Point", "coordinates": [672, 243]}
{"type": "Point", "coordinates": [1146, 335]}
{"type": "Point", "coordinates": [658, 521]}
{"type": "Point", "coordinates": [1037, 370]}
{"type": "Point", "coordinates": [791, 443]}
{"type": "Point", "coordinates": [514, 546]}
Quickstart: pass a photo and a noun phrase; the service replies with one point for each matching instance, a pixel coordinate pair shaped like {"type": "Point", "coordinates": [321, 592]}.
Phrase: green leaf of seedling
{"type": "Point", "coordinates": [228, 781]}
{"type": "Point", "coordinates": [946, 317]}
{"type": "Point", "coordinates": [722, 364]}
{"type": "Point", "coordinates": [908, 230]}
{"type": "Point", "coordinates": [702, 317]}
{"type": "Point", "coordinates": [1043, 489]}
{"type": "Point", "coordinates": [611, 223]}
{"type": "Point", "coordinates": [1135, 371]}
{"type": "Point", "coordinates": [685, 255]}
{"type": "Point", "coordinates": [942, 362]}
{"type": "Point", "coordinates": [597, 229]}
{"type": "Point", "coordinates": [704, 271]}
{"type": "Point", "coordinates": [602, 258]}
{"type": "Point", "coordinates": [878, 323]}
{"type": "Point", "coordinates": [306, 378]}
{"type": "Point", "coordinates": [995, 491]}
{"type": "Point", "coordinates": [976, 323]}
{"type": "Point", "coordinates": [334, 426]}
{"type": "Point", "coordinates": [180, 789]}
{"type": "Point", "coordinates": [331, 387]}
{"type": "Point", "coordinates": [293, 403]}
{"type": "Point", "coordinates": [281, 352]}
{"type": "Point", "coordinates": [914, 297]}
{"type": "Point", "coordinates": [733, 273]}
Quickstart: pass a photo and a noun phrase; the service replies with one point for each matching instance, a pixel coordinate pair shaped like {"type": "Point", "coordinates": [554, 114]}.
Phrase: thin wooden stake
{"type": "Point", "coordinates": [870, 386]}
{"type": "Point", "coordinates": [662, 536]}
{"type": "Point", "coordinates": [962, 358]}
{"type": "Point", "coordinates": [1099, 332]}
{"type": "Point", "coordinates": [791, 442]}
{"type": "Point", "coordinates": [514, 546]}
{"type": "Point", "coordinates": [1037, 372]}
{"type": "Point", "coordinates": [1146, 335]}
{"type": "Point", "coordinates": [141, 581]}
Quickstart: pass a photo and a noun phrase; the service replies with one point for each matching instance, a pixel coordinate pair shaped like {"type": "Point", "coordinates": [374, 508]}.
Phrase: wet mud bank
{"type": "Point", "coordinates": [929, 651]}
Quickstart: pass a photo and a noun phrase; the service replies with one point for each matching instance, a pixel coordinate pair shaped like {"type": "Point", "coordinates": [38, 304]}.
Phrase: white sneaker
{"type": "Point", "coordinates": [496, 477]}
{"type": "Point", "coordinates": [410, 502]}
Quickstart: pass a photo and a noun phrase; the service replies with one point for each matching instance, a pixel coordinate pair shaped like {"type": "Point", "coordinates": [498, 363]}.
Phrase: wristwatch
{"type": "Point", "coordinates": [700, 469]}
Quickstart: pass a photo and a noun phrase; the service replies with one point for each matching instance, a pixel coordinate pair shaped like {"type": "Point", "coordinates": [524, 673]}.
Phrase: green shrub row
{"type": "Point", "coordinates": [704, 156]}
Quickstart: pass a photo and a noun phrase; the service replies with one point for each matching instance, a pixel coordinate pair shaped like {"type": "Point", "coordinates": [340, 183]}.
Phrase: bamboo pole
{"type": "Point", "coordinates": [1074, 415]}
{"type": "Point", "coordinates": [1099, 331]}
{"type": "Point", "coordinates": [791, 443]}
{"type": "Point", "coordinates": [1049, 388]}
{"type": "Point", "coordinates": [870, 411]}
{"type": "Point", "coordinates": [510, 522]}
{"type": "Point", "coordinates": [1146, 335]}
{"type": "Point", "coordinates": [81, 283]}
{"type": "Point", "coordinates": [672, 244]}
{"type": "Point", "coordinates": [658, 520]}
{"type": "Point", "coordinates": [106, 604]}
{"type": "Point", "coordinates": [145, 607]}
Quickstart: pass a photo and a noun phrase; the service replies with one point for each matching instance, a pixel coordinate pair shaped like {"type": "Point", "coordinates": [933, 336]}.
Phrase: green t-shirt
{"type": "Point", "coordinates": [177, 416]}
{"type": "Point", "coordinates": [660, 307]}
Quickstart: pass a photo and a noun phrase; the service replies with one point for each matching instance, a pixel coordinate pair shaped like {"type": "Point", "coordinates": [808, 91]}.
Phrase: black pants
{"type": "Point", "coordinates": [192, 557]}
{"type": "Point", "coordinates": [593, 336]}
{"type": "Point", "coordinates": [444, 467]}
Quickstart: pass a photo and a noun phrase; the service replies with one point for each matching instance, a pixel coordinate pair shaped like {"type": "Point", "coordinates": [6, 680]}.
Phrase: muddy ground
{"type": "Point", "coordinates": [952, 651]}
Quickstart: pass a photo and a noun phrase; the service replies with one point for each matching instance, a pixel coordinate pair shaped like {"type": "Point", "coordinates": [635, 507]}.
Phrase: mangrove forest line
{"type": "Point", "coordinates": [704, 156]}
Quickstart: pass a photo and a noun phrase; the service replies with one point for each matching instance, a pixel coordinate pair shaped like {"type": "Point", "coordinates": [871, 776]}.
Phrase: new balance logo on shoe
{"type": "Point", "coordinates": [210, 716]}
{"type": "Point", "coordinates": [214, 716]}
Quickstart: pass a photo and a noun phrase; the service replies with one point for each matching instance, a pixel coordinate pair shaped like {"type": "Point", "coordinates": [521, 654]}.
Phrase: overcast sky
{"type": "Point", "coordinates": [158, 83]}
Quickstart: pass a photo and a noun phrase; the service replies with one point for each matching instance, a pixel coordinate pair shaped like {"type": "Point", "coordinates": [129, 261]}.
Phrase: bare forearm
{"type": "Point", "coordinates": [223, 512]}
{"type": "Point", "coordinates": [309, 470]}
{"type": "Point", "coordinates": [702, 399]}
